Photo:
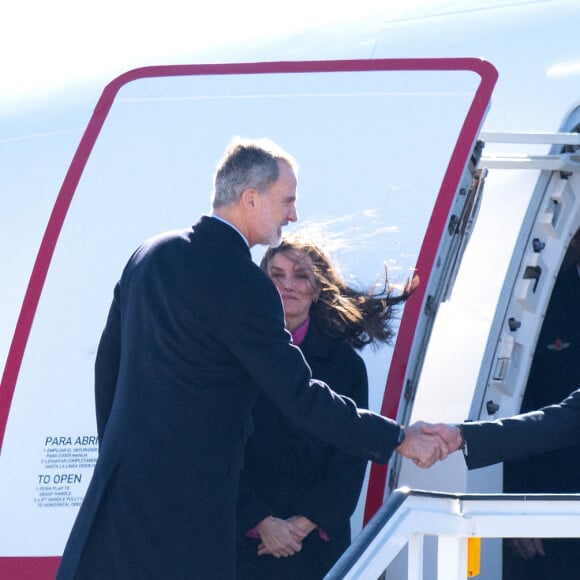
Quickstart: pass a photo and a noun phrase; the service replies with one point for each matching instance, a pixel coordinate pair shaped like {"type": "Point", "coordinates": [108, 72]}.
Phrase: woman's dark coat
{"type": "Point", "coordinates": [290, 472]}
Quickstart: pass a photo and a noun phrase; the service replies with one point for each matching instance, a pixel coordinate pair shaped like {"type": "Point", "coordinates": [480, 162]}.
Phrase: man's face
{"type": "Point", "coordinates": [277, 207]}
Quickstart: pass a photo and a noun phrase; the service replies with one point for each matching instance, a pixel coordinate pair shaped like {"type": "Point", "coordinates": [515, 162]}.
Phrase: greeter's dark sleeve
{"type": "Point", "coordinates": [552, 427]}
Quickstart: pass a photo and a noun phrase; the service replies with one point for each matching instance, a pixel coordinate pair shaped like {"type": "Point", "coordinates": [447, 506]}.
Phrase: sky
{"type": "Point", "coordinates": [50, 46]}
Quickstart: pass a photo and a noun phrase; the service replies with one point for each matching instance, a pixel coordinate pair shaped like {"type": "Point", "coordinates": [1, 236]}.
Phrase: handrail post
{"type": "Point", "coordinates": [451, 558]}
{"type": "Point", "coordinates": [415, 557]}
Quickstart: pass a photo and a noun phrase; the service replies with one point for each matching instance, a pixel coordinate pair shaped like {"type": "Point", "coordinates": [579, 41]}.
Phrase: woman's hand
{"type": "Point", "coordinates": [303, 524]}
{"type": "Point", "coordinates": [280, 538]}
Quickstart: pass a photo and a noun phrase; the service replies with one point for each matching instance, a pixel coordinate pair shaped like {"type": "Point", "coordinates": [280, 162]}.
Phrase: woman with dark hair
{"type": "Point", "coordinates": [297, 493]}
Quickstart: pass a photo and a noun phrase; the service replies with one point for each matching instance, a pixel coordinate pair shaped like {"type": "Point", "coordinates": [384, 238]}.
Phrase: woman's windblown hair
{"type": "Point", "coordinates": [359, 317]}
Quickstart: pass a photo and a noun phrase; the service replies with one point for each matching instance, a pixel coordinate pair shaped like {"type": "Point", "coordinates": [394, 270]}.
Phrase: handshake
{"type": "Point", "coordinates": [426, 443]}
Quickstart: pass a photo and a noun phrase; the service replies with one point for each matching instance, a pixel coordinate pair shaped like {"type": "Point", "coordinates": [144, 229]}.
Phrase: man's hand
{"type": "Point", "coordinates": [422, 447]}
{"type": "Point", "coordinates": [526, 548]}
{"type": "Point", "coordinates": [448, 433]}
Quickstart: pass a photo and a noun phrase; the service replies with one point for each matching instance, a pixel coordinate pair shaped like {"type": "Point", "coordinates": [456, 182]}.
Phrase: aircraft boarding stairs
{"type": "Point", "coordinates": [456, 520]}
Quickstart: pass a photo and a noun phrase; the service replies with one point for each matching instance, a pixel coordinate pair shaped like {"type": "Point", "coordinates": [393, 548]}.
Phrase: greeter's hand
{"type": "Point", "coordinates": [422, 447]}
{"type": "Point", "coordinates": [449, 433]}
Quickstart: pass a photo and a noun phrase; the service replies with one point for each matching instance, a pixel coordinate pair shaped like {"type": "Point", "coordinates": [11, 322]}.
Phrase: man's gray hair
{"type": "Point", "coordinates": [247, 164]}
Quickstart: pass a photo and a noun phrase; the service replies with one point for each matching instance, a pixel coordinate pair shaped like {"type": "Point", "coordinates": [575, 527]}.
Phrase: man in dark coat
{"type": "Point", "coordinates": [195, 330]}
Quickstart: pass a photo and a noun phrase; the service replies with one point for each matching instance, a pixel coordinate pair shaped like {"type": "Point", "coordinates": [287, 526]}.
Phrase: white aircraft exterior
{"type": "Point", "coordinates": [415, 134]}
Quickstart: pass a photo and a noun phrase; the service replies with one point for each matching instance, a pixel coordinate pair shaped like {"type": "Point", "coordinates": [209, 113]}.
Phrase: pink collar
{"type": "Point", "coordinates": [299, 333]}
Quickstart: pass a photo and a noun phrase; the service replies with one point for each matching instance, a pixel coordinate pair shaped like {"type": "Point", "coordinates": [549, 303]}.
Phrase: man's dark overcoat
{"type": "Point", "coordinates": [194, 331]}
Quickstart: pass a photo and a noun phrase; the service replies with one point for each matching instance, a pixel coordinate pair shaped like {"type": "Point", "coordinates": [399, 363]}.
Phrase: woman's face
{"type": "Point", "coordinates": [293, 275]}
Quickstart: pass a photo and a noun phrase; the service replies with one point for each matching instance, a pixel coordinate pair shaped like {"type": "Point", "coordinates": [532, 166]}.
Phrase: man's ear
{"type": "Point", "coordinates": [248, 199]}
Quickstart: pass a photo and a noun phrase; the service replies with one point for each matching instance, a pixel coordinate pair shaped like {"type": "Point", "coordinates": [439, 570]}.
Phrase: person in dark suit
{"type": "Point", "coordinates": [293, 480]}
{"type": "Point", "coordinates": [554, 426]}
{"type": "Point", "coordinates": [194, 332]}
{"type": "Point", "coordinates": [554, 373]}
